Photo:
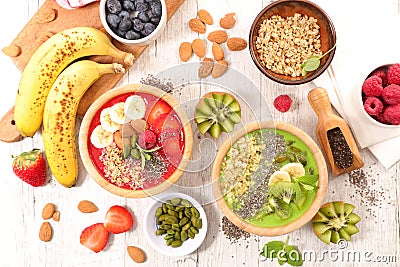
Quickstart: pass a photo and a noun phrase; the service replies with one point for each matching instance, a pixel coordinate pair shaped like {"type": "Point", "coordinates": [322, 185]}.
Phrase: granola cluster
{"type": "Point", "coordinates": [285, 43]}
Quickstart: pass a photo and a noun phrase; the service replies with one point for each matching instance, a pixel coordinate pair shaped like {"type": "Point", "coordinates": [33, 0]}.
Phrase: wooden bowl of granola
{"type": "Point", "coordinates": [287, 33]}
{"type": "Point", "coordinates": [270, 178]}
{"type": "Point", "coordinates": [135, 141]}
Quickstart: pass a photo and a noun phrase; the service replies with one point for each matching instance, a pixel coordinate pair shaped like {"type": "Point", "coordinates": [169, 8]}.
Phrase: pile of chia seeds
{"type": "Point", "coordinates": [165, 85]}
{"type": "Point", "coordinates": [341, 152]}
{"type": "Point", "coordinates": [232, 232]}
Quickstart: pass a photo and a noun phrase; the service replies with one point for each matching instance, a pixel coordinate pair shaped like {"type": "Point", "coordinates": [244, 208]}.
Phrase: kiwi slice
{"type": "Point", "coordinates": [335, 221]}
{"type": "Point", "coordinates": [283, 190]}
{"type": "Point", "coordinates": [217, 112]}
{"type": "Point", "coordinates": [282, 209]}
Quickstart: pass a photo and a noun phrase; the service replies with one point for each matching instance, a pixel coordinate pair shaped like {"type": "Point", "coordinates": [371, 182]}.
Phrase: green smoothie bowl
{"type": "Point", "coordinates": [269, 178]}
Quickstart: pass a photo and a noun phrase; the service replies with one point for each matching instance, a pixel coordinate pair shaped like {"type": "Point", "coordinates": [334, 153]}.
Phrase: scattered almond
{"type": "Point", "coordinates": [86, 206]}
{"type": "Point", "coordinates": [12, 50]}
{"type": "Point", "coordinates": [139, 126]}
{"type": "Point", "coordinates": [205, 17]}
{"type": "Point", "coordinates": [118, 139]}
{"type": "Point", "coordinates": [44, 36]}
{"type": "Point", "coordinates": [228, 21]}
{"type": "Point", "coordinates": [206, 67]}
{"type": "Point", "coordinates": [185, 51]}
{"type": "Point", "coordinates": [220, 67]}
{"type": "Point", "coordinates": [199, 47]}
{"type": "Point", "coordinates": [127, 130]}
{"type": "Point", "coordinates": [197, 25]}
{"type": "Point", "coordinates": [136, 254]}
{"type": "Point", "coordinates": [218, 36]}
{"type": "Point", "coordinates": [236, 44]}
{"type": "Point", "coordinates": [56, 216]}
{"type": "Point", "coordinates": [48, 211]}
{"type": "Point", "coordinates": [47, 15]}
{"type": "Point", "coordinates": [45, 232]}
{"type": "Point", "coordinates": [217, 51]}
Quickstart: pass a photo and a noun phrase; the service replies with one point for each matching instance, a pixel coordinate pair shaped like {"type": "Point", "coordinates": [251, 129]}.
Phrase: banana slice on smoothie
{"type": "Point", "coordinates": [101, 138]}
{"type": "Point", "coordinates": [294, 169]}
{"type": "Point", "coordinates": [134, 107]}
{"type": "Point", "coordinates": [117, 113]}
{"type": "Point", "coordinates": [106, 122]}
{"type": "Point", "coordinates": [278, 176]}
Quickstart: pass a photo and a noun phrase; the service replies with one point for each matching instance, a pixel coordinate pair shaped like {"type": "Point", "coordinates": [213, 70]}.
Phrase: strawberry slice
{"type": "Point", "coordinates": [94, 237]}
{"type": "Point", "coordinates": [118, 220]}
{"type": "Point", "coordinates": [30, 167]}
{"type": "Point", "coordinates": [155, 110]}
{"type": "Point", "coordinates": [172, 150]}
{"type": "Point", "coordinates": [166, 121]}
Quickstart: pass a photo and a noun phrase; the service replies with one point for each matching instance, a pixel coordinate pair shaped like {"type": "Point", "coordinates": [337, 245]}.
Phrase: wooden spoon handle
{"type": "Point", "coordinates": [319, 101]}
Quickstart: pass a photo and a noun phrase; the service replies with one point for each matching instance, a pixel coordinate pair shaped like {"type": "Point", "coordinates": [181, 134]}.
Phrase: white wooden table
{"type": "Point", "coordinates": [21, 204]}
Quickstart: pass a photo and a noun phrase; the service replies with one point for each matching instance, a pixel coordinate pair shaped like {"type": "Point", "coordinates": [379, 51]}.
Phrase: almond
{"type": "Point", "coordinates": [136, 254]}
{"type": "Point", "coordinates": [228, 21]}
{"type": "Point", "coordinates": [218, 36]}
{"type": "Point", "coordinates": [47, 15]}
{"type": "Point", "coordinates": [56, 216]}
{"type": "Point", "coordinates": [205, 17]}
{"type": "Point", "coordinates": [86, 206]}
{"type": "Point", "coordinates": [48, 211]}
{"type": "Point", "coordinates": [45, 232]}
{"type": "Point", "coordinates": [220, 67]}
{"type": "Point", "coordinates": [185, 51]}
{"type": "Point", "coordinates": [199, 47]}
{"type": "Point", "coordinates": [236, 44]}
{"type": "Point", "coordinates": [44, 36]}
{"type": "Point", "coordinates": [139, 126]}
{"type": "Point", "coordinates": [206, 67]}
{"type": "Point", "coordinates": [12, 50]}
{"type": "Point", "coordinates": [197, 25]}
{"type": "Point", "coordinates": [217, 52]}
{"type": "Point", "coordinates": [118, 139]}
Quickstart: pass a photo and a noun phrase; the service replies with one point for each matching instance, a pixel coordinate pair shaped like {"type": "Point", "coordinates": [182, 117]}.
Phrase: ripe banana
{"type": "Point", "coordinates": [48, 62]}
{"type": "Point", "coordinates": [59, 116]}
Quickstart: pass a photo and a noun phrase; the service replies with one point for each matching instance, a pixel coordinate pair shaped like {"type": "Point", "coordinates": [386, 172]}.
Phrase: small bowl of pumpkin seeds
{"type": "Point", "coordinates": [175, 224]}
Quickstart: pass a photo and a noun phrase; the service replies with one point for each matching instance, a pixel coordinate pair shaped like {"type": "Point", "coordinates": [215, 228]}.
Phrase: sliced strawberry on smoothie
{"type": "Point", "coordinates": [94, 237]}
{"type": "Point", "coordinates": [166, 121]}
{"type": "Point", "coordinates": [155, 110]}
{"type": "Point", "coordinates": [118, 220]}
{"type": "Point", "coordinates": [169, 140]}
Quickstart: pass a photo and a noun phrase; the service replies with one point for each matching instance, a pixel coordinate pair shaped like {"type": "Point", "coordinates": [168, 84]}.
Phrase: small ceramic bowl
{"type": "Point", "coordinates": [158, 242]}
{"type": "Point", "coordinates": [287, 8]}
{"type": "Point", "coordinates": [139, 42]}
{"type": "Point", "coordinates": [304, 217]}
{"type": "Point", "coordinates": [361, 100]}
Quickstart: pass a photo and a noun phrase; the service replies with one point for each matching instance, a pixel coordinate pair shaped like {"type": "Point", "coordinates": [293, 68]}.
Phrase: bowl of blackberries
{"type": "Point", "coordinates": [380, 96]}
{"type": "Point", "coordinates": [133, 22]}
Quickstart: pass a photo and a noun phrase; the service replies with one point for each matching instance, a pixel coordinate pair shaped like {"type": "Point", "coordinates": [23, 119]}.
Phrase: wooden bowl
{"type": "Point", "coordinates": [287, 8]}
{"type": "Point", "coordinates": [306, 216]}
{"type": "Point", "coordinates": [84, 132]}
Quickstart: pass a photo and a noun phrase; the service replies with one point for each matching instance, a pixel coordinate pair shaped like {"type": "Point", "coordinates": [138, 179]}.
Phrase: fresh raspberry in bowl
{"type": "Point", "coordinates": [372, 86]}
{"type": "Point", "coordinates": [391, 94]}
{"type": "Point", "coordinates": [393, 74]}
{"type": "Point", "coordinates": [373, 106]}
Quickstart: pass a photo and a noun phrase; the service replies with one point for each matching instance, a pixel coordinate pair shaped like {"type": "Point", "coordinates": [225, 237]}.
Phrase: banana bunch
{"type": "Point", "coordinates": [59, 116]}
{"type": "Point", "coordinates": [48, 62]}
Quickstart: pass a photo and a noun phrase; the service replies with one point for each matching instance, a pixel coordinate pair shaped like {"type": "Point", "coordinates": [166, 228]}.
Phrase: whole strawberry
{"type": "Point", "coordinates": [30, 167]}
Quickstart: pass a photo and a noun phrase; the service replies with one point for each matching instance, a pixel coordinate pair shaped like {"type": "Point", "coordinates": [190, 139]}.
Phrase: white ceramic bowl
{"type": "Point", "coordinates": [143, 41]}
{"type": "Point", "coordinates": [158, 242]}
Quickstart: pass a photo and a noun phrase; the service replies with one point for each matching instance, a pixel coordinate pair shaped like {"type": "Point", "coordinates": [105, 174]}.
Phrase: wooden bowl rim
{"type": "Point", "coordinates": [303, 219]}
{"type": "Point", "coordinates": [83, 138]}
{"type": "Point", "coordinates": [268, 73]}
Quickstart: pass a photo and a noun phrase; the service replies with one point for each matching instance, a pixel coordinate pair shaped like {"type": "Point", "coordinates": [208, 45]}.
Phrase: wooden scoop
{"type": "Point", "coordinates": [329, 122]}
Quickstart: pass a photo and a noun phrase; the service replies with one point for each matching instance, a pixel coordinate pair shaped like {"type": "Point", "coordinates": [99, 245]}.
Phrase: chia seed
{"type": "Point", "coordinates": [341, 152]}
{"type": "Point", "coordinates": [232, 232]}
{"type": "Point", "coordinates": [165, 85]}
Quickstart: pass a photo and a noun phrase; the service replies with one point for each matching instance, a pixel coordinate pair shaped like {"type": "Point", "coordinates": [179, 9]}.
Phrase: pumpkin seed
{"type": "Point", "coordinates": [302, 159]}
{"type": "Point", "coordinates": [135, 153]}
{"type": "Point", "coordinates": [280, 158]}
{"type": "Point", "coordinates": [169, 241]}
{"type": "Point", "coordinates": [177, 235]}
{"type": "Point", "coordinates": [170, 232]}
{"type": "Point", "coordinates": [194, 230]}
{"type": "Point", "coordinates": [165, 226]}
{"type": "Point", "coordinates": [160, 232]}
{"type": "Point", "coordinates": [186, 226]}
{"type": "Point", "coordinates": [168, 237]}
{"type": "Point", "coordinates": [184, 236]}
{"type": "Point", "coordinates": [164, 208]}
{"type": "Point", "coordinates": [181, 215]}
{"type": "Point", "coordinates": [170, 206]}
{"type": "Point", "coordinates": [310, 171]}
{"type": "Point", "coordinates": [183, 221]}
{"type": "Point", "coordinates": [176, 243]}
{"type": "Point", "coordinates": [175, 226]}
{"type": "Point", "coordinates": [186, 203]}
{"type": "Point", "coordinates": [295, 149]}
{"type": "Point", "coordinates": [194, 212]}
{"type": "Point", "coordinates": [134, 140]}
{"type": "Point", "coordinates": [176, 201]}
{"type": "Point", "coordinates": [199, 223]}
{"type": "Point", "coordinates": [290, 142]}
{"type": "Point", "coordinates": [179, 208]}
{"type": "Point", "coordinates": [126, 151]}
{"type": "Point", "coordinates": [292, 157]}
{"type": "Point", "coordinates": [173, 213]}
{"type": "Point", "coordinates": [159, 212]}
{"type": "Point", "coordinates": [190, 234]}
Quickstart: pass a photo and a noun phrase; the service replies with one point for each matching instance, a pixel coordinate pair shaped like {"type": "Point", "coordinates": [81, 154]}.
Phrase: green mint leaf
{"type": "Point", "coordinates": [303, 72]}
{"type": "Point", "coordinates": [271, 249]}
{"type": "Point", "coordinates": [143, 160]}
{"type": "Point", "coordinates": [308, 179]}
{"type": "Point", "coordinates": [308, 187]}
{"type": "Point", "coordinates": [312, 63]}
{"type": "Point", "coordinates": [293, 256]}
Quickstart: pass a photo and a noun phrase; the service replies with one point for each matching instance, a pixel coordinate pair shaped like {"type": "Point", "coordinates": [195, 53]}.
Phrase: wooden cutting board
{"type": "Point", "coordinates": [31, 37]}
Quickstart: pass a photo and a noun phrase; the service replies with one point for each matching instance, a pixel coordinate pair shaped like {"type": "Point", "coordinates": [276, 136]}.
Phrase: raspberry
{"type": "Point", "coordinates": [372, 86]}
{"type": "Point", "coordinates": [283, 103]}
{"type": "Point", "coordinates": [147, 140]}
{"type": "Point", "coordinates": [381, 74]}
{"type": "Point", "coordinates": [391, 94]}
{"type": "Point", "coordinates": [392, 114]}
{"type": "Point", "coordinates": [373, 106]}
{"type": "Point", "coordinates": [393, 75]}
{"type": "Point", "coordinates": [380, 118]}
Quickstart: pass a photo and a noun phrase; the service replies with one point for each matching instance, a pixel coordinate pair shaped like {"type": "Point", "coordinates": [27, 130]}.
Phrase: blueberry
{"type": "Point", "coordinates": [124, 14]}
{"type": "Point", "coordinates": [149, 1]}
{"type": "Point", "coordinates": [114, 6]}
{"type": "Point", "coordinates": [142, 6]}
{"type": "Point", "coordinates": [113, 20]}
{"type": "Point", "coordinates": [155, 20]}
{"type": "Point", "coordinates": [148, 28]}
{"type": "Point", "coordinates": [128, 5]}
{"type": "Point", "coordinates": [143, 17]}
{"type": "Point", "coordinates": [120, 33]}
{"type": "Point", "coordinates": [156, 8]}
{"type": "Point", "coordinates": [138, 25]}
{"type": "Point", "coordinates": [132, 35]}
{"type": "Point", "coordinates": [125, 25]}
